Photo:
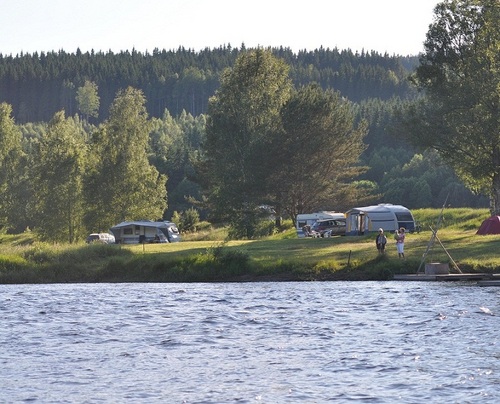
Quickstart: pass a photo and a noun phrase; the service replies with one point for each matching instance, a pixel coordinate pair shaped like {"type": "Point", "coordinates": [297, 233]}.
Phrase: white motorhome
{"type": "Point", "coordinates": [383, 216]}
{"type": "Point", "coordinates": [308, 219]}
{"type": "Point", "coordinates": [145, 231]}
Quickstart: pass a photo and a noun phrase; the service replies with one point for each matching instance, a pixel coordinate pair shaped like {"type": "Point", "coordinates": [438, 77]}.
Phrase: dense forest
{"type": "Point", "coordinates": [39, 85]}
{"type": "Point", "coordinates": [175, 88]}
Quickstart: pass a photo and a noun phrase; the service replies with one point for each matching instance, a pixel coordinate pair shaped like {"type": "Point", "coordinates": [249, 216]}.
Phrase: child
{"type": "Point", "coordinates": [400, 242]}
{"type": "Point", "coordinates": [381, 241]}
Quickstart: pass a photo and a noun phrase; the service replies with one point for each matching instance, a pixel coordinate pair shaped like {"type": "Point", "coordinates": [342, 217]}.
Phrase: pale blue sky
{"type": "Point", "coordinates": [393, 26]}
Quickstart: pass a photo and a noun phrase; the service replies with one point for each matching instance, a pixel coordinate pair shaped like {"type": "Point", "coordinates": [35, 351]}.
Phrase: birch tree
{"type": "Point", "coordinates": [122, 184]}
{"type": "Point", "coordinates": [10, 155]}
{"type": "Point", "coordinates": [58, 181]}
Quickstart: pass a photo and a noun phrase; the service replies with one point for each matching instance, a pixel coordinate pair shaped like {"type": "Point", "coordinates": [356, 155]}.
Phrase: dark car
{"type": "Point", "coordinates": [330, 227]}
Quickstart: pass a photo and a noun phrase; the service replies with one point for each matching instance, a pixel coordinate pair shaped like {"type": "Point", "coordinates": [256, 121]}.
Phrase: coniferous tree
{"type": "Point", "coordinates": [316, 154]}
{"type": "Point", "coordinates": [243, 115]}
{"type": "Point", "coordinates": [38, 85]}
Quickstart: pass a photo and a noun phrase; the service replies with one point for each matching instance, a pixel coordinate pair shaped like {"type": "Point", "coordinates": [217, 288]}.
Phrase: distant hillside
{"type": "Point", "coordinates": [38, 85]}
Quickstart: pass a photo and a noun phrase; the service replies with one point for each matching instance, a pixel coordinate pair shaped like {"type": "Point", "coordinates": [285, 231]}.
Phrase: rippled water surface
{"type": "Point", "coordinates": [310, 342]}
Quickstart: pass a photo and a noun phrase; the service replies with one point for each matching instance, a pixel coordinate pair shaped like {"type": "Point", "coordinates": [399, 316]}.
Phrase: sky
{"type": "Point", "coordinates": [396, 27]}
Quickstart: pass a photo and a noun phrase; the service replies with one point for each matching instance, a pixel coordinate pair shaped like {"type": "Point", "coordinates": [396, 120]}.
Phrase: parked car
{"type": "Point", "coordinates": [330, 227]}
{"type": "Point", "coordinates": [103, 238]}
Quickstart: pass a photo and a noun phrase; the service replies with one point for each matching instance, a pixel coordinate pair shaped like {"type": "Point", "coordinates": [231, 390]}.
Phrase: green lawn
{"type": "Point", "coordinates": [282, 256]}
{"type": "Point", "coordinates": [465, 247]}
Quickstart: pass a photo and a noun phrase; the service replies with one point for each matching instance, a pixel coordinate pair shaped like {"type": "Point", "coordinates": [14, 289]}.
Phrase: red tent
{"type": "Point", "coordinates": [490, 226]}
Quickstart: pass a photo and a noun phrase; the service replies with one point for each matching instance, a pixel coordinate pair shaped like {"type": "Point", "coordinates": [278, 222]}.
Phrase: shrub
{"type": "Point", "coordinates": [190, 219]}
{"type": "Point", "coordinates": [11, 262]}
{"type": "Point", "coordinates": [39, 254]}
{"type": "Point", "coordinates": [186, 221]}
{"type": "Point", "coordinates": [226, 262]}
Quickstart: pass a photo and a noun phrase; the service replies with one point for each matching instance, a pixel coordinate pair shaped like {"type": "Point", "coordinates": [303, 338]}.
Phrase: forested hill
{"type": "Point", "coordinates": [40, 84]}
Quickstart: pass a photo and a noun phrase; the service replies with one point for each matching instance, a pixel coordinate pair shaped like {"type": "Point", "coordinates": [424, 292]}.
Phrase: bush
{"type": "Point", "coordinates": [39, 254]}
{"type": "Point", "coordinates": [251, 227]}
{"type": "Point", "coordinates": [11, 263]}
{"type": "Point", "coordinates": [190, 219]}
{"type": "Point", "coordinates": [186, 221]}
{"type": "Point", "coordinates": [226, 262]}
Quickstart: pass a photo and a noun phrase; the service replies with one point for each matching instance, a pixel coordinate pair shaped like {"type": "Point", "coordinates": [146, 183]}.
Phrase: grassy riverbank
{"type": "Point", "coordinates": [280, 257]}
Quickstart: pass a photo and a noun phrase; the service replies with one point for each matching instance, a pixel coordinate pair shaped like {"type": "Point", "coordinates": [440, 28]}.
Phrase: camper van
{"type": "Point", "coordinates": [384, 216]}
{"type": "Point", "coordinates": [145, 231]}
{"type": "Point", "coordinates": [308, 219]}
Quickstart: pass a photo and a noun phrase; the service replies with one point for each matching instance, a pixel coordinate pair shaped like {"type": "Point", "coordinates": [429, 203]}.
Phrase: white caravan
{"type": "Point", "coordinates": [384, 216]}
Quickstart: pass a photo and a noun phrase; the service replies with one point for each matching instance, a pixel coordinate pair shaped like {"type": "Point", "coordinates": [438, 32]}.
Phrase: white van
{"type": "Point", "coordinates": [103, 238]}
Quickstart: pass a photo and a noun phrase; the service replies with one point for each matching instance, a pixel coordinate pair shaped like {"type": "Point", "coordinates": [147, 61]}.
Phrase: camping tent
{"type": "Point", "coordinates": [490, 226]}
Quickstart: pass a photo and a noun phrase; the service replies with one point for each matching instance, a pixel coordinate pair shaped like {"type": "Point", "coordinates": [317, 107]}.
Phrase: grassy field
{"type": "Point", "coordinates": [205, 258]}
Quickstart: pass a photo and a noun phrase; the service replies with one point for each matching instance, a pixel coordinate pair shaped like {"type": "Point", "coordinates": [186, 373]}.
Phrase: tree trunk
{"type": "Point", "coordinates": [278, 220]}
{"type": "Point", "coordinates": [495, 195]}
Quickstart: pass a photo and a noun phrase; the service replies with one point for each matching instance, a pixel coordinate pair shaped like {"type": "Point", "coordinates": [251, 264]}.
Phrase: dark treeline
{"type": "Point", "coordinates": [40, 84]}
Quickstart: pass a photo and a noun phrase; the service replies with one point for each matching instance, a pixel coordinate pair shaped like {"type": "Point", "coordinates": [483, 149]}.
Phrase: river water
{"type": "Point", "coordinates": [289, 342]}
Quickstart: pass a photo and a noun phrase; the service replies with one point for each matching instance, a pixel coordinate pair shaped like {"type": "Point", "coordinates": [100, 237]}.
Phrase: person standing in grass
{"type": "Point", "coordinates": [400, 242]}
{"type": "Point", "coordinates": [381, 241]}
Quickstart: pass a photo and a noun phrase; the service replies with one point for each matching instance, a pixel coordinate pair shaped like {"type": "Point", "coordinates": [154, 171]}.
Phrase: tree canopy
{"type": "Point", "coordinates": [277, 136]}
{"type": "Point", "coordinates": [10, 159]}
{"type": "Point", "coordinates": [242, 120]}
{"type": "Point", "coordinates": [460, 74]}
{"type": "Point", "coordinates": [317, 153]}
{"type": "Point", "coordinates": [122, 184]}
{"type": "Point", "coordinates": [87, 99]}
{"type": "Point", "coordinates": [58, 173]}
{"type": "Point", "coordinates": [40, 84]}
{"type": "Point", "coordinates": [266, 144]}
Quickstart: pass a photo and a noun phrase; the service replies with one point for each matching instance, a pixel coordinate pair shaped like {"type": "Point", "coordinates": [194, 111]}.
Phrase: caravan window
{"type": "Point", "coordinates": [127, 230]}
{"type": "Point", "coordinates": [404, 216]}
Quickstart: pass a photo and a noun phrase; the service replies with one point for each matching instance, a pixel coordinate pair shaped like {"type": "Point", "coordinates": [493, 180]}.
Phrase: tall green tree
{"type": "Point", "coordinates": [460, 74]}
{"type": "Point", "coordinates": [316, 154]}
{"type": "Point", "coordinates": [243, 116]}
{"type": "Point", "coordinates": [10, 158]}
{"type": "Point", "coordinates": [121, 183]}
{"type": "Point", "coordinates": [87, 98]}
{"type": "Point", "coordinates": [58, 178]}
